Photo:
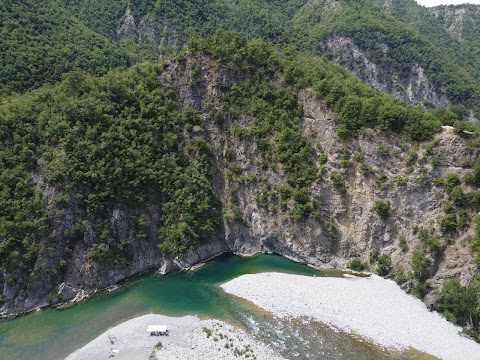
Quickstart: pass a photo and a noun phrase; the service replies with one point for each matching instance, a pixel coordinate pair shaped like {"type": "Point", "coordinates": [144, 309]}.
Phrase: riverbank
{"type": "Point", "coordinates": [190, 338]}
{"type": "Point", "coordinates": [374, 308]}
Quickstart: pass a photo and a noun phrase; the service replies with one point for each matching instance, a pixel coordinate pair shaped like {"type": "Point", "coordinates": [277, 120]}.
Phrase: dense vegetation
{"type": "Point", "coordinates": [100, 142]}
{"type": "Point", "coordinates": [41, 41]}
{"type": "Point", "coordinates": [61, 35]}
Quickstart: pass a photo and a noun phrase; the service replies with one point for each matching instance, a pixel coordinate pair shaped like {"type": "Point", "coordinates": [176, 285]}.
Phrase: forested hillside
{"type": "Point", "coordinates": [41, 41]}
{"type": "Point", "coordinates": [463, 24]}
{"type": "Point", "coordinates": [414, 53]}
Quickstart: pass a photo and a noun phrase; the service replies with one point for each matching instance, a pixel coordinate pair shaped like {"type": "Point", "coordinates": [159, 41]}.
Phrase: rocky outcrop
{"type": "Point", "coordinates": [457, 19]}
{"type": "Point", "coordinates": [415, 88]}
{"type": "Point", "coordinates": [347, 225]}
{"type": "Point", "coordinates": [128, 26]}
{"type": "Point", "coordinates": [157, 31]}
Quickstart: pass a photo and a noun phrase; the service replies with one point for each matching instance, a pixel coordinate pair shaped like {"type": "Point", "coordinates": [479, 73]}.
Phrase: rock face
{"type": "Point", "coordinates": [458, 20]}
{"type": "Point", "coordinates": [373, 166]}
{"type": "Point", "coordinates": [157, 31]}
{"type": "Point", "coordinates": [413, 87]}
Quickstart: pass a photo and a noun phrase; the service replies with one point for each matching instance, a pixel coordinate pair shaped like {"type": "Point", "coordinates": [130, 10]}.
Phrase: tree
{"type": "Point", "coordinates": [459, 304]}
{"type": "Point", "coordinates": [350, 114]}
{"type": "Point", "coordinates": [392, 116]}
{"type": "Point", "coordinates": [421, 266]}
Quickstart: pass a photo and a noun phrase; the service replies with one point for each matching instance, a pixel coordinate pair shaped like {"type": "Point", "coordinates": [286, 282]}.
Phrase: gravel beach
{"type": "Point", "coordinates": [190, 338]}
{"type": "Point", "coordinates": [374, 308]}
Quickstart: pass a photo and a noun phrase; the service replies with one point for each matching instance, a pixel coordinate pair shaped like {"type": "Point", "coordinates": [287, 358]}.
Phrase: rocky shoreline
{"type": "Point", "coordinates": [68, 295]}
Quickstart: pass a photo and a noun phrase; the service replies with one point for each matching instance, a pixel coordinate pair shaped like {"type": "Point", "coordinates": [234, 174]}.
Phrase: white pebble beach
{"type": "Point", "coordinates": [190, 338]}
{"type": "Point", "coordinates": [373, 308]}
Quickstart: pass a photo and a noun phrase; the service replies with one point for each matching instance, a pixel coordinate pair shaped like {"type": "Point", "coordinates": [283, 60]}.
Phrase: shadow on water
{"type": "Point", "coordinates": [53, 334]}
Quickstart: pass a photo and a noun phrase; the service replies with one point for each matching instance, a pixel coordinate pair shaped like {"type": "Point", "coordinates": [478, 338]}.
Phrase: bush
{"type": "Point", "coordinates": [300, 212]}
{"type": "Point", "coordinates": [383, 151]}
{"type": "Point", "coordinates": [401, 181]}
{"type": "Point", "coordinates": [382, 208]}
{"type": "Point", "coordinates": [403, 243]}
{"type": "Point", "coordinates": [457, 195]}
{"type": "Point", "coordinates": [448, 222]}
{"type": "Point", "coordinates": [98, 252]}
{"type": "Point", "coordinates": [338, 182]}
{"type": "Point", "coordinates": [356, 264]}
{"type": "Point", "coordinates": [374, 255]}
{"type": "Point", "coordinates": [463, 218]}
{"type": "Point", "coordinates": [412, 158]}
{"type": "Point", "coordinates": [301, 196]}
{"type": "Point", "coordinates": [323, 158]}
{"type": "Point", "coordinates": [429, 239]}
{"type": "Point", "coordinates": [399, 275]}
{"type": "Point", "coordinates": [384, 265]}
{"type": "Point", "coordinates": [451, 180]}
{"type": "Point", "coordinates": [207, 331]}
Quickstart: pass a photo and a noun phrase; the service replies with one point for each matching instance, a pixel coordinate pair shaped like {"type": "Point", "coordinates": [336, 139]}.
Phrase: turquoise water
{"type": "Point", "coordinates": [53, 334]}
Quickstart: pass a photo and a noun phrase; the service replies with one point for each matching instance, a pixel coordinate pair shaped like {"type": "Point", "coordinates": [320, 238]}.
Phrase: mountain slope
{"type": "Point", "coordinates": [395, 46]}
{"type": "Point", "coordinates": [463, 24]}
{"type": "Point", "coordinates": [41, 41]}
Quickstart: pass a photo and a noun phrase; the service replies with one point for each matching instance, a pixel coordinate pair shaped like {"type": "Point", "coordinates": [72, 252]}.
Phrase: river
{"type": "Point", "coordinates": [52, 334]}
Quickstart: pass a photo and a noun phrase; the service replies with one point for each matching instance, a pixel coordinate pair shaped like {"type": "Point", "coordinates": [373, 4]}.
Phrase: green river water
{"type": "Point", "coordinates": [53, 334]}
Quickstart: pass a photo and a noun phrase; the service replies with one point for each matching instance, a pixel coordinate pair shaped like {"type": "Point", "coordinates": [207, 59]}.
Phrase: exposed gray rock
{"type": "Point", "coordinates": [415, 88]}
{"type": "Point", "coordinates": [128, 26]}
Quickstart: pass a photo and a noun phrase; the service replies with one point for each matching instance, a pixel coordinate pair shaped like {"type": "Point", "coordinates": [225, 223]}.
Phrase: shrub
{"type": "Point", "coordinates": [448, 222]}
{"type": "Point", "coordinates": [207, 331]}
{"type": "Point", "coordinates": [374, 255]}
{"type": "Point", "coordinates": [285, 192]}
{"type": "Point", "coordinates": [474, 199]}
{"type": "Point", "coordinates": [384, 265]}
{"type": "Point", "coordinates": [358, 156]}
{"type": "Point", "coordinates": [301, 196]}
{"type": "Point", "coordinates": [463, 218]}
{"type": "Point", "coordinates": [300, 212]}
{"type": "Point", "coordinates": [412, 158]}
{"type": "Point", "coordinates": [457, 195]}
{"type": "Point", "coordinates": [323, 158]}
{"type": "Point", "coordinates": [450, 181]}
{"type": "Point", "coordinates": [429, 147]}
{"type": "Point", "coordinates": [332, 226]}
{"type": "Point", "coordinates": [382, 208]}
{"type": "Point", "coordinates": [401, 181]}
{"type": "Point", "coordinates": [337, 180]}
{"type": "Point", "coordinates": [356, 264]}
{"type": "Point", "coordinates": [399, 275]}
{"type": "Point", "coordinates": [383, 151]}
{"type": "Point", "coordinates": [464, 129]}
{"type": "Point", "coordinates": [98, 252]}
{"type": "Point", "coordinates": [403, 243]}
{"type": "Point", "coordinates": [429, 239]}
